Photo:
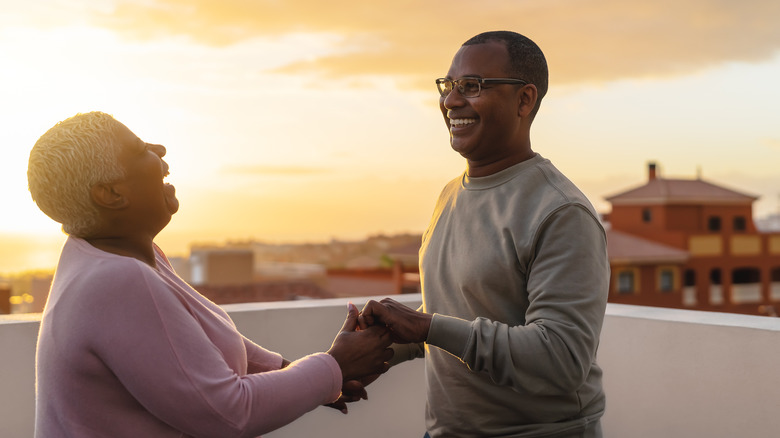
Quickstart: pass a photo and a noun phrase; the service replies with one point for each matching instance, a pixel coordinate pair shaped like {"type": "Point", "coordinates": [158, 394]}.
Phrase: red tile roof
{"type": "Point", "coordinates": [625, 248]}
{"type": "Point", "coordinates": [677, 191]}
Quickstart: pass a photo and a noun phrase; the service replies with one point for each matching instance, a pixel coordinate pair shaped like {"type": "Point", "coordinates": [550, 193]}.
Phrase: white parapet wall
{"type": "Point", "coordinates": [18, 336]}
{"type": "Point", "coordinates": [679, 373]}
{"type": "Point", "coordinates": [667, 373]}
{"type": "Point", "coordinates": [396, 401]}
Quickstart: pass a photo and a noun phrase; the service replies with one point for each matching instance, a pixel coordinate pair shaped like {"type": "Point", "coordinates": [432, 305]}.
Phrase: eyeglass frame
{"type": "Point", "coordinates": [480, 82]}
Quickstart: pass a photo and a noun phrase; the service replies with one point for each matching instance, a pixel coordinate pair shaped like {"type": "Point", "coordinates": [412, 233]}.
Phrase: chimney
{"type": "Point", "coordinates": [651, 171]}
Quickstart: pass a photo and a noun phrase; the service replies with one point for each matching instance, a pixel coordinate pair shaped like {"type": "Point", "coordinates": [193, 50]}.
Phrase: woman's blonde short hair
{"type": "Point", "coordinates": [67, 161]}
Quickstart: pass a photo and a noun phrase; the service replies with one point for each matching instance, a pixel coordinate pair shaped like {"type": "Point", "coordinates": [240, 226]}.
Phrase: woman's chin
{"type": "Point", "coordinates": [170, 198]}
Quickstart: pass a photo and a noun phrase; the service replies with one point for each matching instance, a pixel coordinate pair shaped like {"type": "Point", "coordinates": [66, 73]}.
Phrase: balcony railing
{"type": "Point", "coordinates": [667, 373]}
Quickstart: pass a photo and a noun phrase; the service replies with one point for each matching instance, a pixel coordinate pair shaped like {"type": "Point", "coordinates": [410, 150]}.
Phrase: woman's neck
{"type": "Point", "coordinates": [137, 248]}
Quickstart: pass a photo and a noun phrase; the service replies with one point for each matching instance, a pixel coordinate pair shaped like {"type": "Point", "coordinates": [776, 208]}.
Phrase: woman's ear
{"type": "Point", "coordinates": [527, 96]}
{"type": "Point", "coordinates": [108, 196]}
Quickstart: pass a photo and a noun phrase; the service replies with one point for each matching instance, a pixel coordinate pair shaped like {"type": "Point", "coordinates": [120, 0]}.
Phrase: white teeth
{"type": "Point", "coordinates": [459, 122]}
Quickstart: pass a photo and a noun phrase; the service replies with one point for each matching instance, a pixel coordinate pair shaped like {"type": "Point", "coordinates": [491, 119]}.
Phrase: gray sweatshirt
{"type": "Point", "coordinates": [514, 268]}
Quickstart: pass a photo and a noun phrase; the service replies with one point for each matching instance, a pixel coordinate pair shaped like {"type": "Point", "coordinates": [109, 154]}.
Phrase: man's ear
{"type": "Point", "coordinates": [108, 196]}
{"type": "Point", "coordinates": [526, 100]}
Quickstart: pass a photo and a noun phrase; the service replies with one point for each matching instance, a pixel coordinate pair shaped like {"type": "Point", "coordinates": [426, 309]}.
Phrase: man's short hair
{"type": "Point", "coordinates": [526, 60]}
{"type": "Point", "coordinates": [67, 161]}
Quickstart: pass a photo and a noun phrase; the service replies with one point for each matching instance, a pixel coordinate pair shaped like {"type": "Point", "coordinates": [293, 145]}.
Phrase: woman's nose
{"type": "Point", "coordinates": [158, 149]}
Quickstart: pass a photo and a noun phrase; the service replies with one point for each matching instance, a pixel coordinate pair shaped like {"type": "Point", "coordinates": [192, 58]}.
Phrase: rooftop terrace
{"type": "Point", "coordinates": [667, 373]}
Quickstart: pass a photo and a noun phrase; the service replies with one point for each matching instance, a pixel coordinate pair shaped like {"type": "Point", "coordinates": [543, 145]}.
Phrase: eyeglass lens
{"type": "Point", "coordinates": [468, 87]}
{"type": "Point", "coordinates": [445, 86]}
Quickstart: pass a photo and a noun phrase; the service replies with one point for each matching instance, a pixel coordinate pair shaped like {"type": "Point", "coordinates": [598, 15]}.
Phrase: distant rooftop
{"type": "Point", "coordinates": [659, 190]}
{"type": "Point", "coordinates": [623, 247]}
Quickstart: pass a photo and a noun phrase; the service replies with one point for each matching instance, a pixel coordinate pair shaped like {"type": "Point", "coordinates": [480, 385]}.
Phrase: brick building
{"type": "Point", "coordinates": [5, 298]}
{"type": "Point", "coordinates": [691, 244]}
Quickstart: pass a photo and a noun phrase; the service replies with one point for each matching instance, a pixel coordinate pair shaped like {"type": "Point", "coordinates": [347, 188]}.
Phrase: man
{"type": "Point", "coordinates": [513, 267]}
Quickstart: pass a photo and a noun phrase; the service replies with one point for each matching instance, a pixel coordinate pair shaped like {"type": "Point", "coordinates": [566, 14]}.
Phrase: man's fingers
{"type": "Point", "coordinates": [372, 311]}
{"type": "Point", "coordinates": [365, 322]}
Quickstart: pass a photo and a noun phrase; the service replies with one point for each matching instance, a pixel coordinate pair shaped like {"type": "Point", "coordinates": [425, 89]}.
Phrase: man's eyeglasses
{"type": "Point", "coordinates": [471, 87]}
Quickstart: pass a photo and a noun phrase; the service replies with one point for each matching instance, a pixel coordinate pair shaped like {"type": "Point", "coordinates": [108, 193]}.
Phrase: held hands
{"type": "Point", "coordinates": [361, 350]}
{"type": "Point", "coordinates": [362, 356]}
{"type": "Point", "coordinates": [361, 353]}
{"type": "Point", "coordinates": [405, 325]}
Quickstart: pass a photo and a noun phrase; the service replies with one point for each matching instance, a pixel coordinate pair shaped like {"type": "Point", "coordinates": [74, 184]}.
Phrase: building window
{"type": "Point", "coordinates": [746, 285]}
{"type": "Point", "coordinates": [713, 224]}
{"type": "Point", "coordinates": [689, 293]}
{"type": "Point", "coordinates": [715, 276]}
{"type": "Point", "coordinates": [690, 278]}
{"type": "Point", "coordinates": [739, 223]}
{"type": "Point", "coordinates": [774, 284]}
{"type": "Point", "coordinates": [647, 215]}
{"type": "Point", "coordinates": [666, 280]}
{"type": "Point", "coordinates": [626, 282]}
{"type": "Point", "coordinates": [745, 275]}
{"type": "Point", "coordinates": [716, 290]}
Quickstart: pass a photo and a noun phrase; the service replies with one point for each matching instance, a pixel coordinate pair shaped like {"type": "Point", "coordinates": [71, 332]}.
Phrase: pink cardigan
{"type": "Point", "coordinates": [125, 350]}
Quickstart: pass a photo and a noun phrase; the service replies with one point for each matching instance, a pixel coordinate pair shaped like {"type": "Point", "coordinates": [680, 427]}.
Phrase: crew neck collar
{"type": "Point", "coordinates": [500, 177]}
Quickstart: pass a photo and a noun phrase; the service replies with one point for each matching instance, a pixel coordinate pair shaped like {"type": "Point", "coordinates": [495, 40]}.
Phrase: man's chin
{"type": "Point", "coordinates": [459, 147]}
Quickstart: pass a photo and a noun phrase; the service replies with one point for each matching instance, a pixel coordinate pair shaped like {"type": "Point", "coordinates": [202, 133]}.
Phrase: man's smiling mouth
{"type": "Point", "coordinates": [461, 122]}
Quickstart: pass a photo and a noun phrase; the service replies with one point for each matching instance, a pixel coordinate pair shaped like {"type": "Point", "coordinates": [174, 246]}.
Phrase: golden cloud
{"type": "Point", "coordinates": [264, 170]}
{"type": "Point", "coordinates": [585, 41]}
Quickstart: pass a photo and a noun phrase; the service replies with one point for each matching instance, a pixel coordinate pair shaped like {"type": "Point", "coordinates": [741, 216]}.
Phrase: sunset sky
{"type": "Point", "coordinates": [294, 120]}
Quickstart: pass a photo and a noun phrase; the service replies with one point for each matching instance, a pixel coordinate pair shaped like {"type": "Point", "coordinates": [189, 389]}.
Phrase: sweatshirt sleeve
{"type": "Point", "coordinates": [567, 282]}
{"type": "Point", "coordinates": [406, 352]}
{"type": "Point", "coordinates": [162, 355]}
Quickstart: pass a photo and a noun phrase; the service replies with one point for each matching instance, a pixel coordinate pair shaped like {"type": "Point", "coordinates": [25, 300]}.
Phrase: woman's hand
{"type": "Point", "coordinates": [361, 353]}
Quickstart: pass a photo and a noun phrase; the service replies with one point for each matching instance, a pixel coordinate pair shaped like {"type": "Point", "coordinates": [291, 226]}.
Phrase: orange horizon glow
{"type": "Point", "coordinates": [298, 120]}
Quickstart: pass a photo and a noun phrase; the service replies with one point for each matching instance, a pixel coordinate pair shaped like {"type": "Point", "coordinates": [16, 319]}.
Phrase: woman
{"type": "Point", "coordinates": [126, 347]}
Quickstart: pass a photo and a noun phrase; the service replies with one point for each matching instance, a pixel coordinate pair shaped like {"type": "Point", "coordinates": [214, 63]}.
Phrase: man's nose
{"type": "Point", "coordinates": [454, 99]}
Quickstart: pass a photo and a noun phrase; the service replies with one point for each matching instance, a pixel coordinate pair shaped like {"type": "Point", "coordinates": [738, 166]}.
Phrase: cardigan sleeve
{"type": "Point", "coordinates": [259, 359]}
{"type": "Point", "coordinates": [162, 355]}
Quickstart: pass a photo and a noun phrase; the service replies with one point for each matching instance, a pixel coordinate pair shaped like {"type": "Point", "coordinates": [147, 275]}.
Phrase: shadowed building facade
{"type": "Point", "coordinates": [689, 243]}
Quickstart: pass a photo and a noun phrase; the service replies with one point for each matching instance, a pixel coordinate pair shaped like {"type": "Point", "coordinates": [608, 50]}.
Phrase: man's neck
{"type": "Point", "coordinates": [486, 168]}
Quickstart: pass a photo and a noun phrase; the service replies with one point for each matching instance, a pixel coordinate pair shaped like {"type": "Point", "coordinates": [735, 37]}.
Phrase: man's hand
{"type": "Point", "coordinates": [406, 325]}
